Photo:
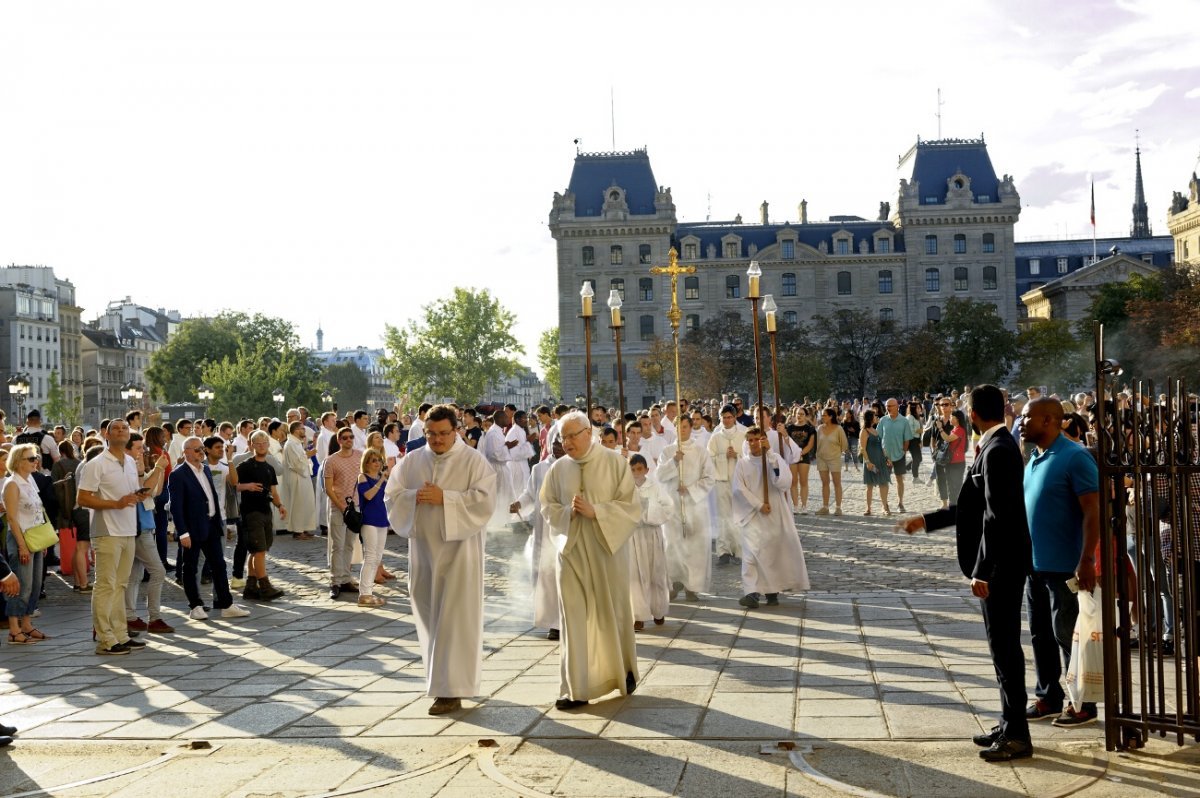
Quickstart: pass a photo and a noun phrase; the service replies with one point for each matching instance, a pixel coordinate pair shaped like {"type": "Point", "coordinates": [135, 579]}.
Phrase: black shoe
{"type": "Point", "coordinates": [724, 559]}
{"type": "Point", "coordinates": [5, 742]}
{"type": "Point", "coordinates": [676, 589]}
{"type": "Point", "coordinates": [206, 580]}
{"type": "Point", "coordinates": [1039, 710]}
{"type": "Point", "coordinates": [568, 703]}
{"type": "Point", "coordinates": [1167, 648]}
{"type": "Point", "coordinates": [630, 683]}
{"type": "Point", "coordinates": [690, 596]}
{"type": "Point", "coordinates": [1006, 750]}
{"type": "Point", "coordinates": [133, 645]}
{"type": "Point", "coordinates": [8, 731]}
{"type": "Point", "coordinates": [552, 634]}
{"type": "Point", "coordinates": [989, 739]}
{"type": "Point", "coordinates": [51, 561]}
{"type": "Point", "coordinates": [772, 599]}
{"type": "Point", "coordinates": [748, 601]}
{"type": "Point", "coordinates": [348, 587]}
{"type": "Point", "coordinates": [334, 592]}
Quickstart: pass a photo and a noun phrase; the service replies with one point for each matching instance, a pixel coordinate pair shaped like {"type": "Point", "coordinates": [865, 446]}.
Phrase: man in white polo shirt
{"type": "Point", "coordinates": [109, 486]}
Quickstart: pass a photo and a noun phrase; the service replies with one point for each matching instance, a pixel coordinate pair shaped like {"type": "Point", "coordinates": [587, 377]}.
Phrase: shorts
{"type": "Point", "coordinates": [258, 531]}
{"type": "Point", "coordinates": [834, 464]}
{"type": "Point", "coordinates": [899, 467]}
{"type": "Point", "coordinates": [82, 520]}
{"type": "Point", "coordinates": [806, 459]}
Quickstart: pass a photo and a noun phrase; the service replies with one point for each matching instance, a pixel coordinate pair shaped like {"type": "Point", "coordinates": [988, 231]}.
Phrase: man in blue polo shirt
{"type": "Point", "coordinates": [1062, 503]}
{"type": "Point", "coordinates": [894, 434]}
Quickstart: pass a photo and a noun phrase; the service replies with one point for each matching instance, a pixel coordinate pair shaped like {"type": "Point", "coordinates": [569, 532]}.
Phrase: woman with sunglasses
{"type": "Point", "coordinates": [24, 511]}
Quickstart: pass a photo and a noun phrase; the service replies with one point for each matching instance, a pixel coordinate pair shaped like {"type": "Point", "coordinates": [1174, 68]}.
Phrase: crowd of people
{"type": "Point", "coordinates": [627, 512]}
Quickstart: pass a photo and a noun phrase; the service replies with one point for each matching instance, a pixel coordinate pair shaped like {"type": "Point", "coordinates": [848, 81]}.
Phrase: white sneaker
{"type": "Point", "coordinates": [198, 614]}
{"type": "Point", "coordinates": [237, 584]}
{"type": "Point", "coordinates": [234, 611]}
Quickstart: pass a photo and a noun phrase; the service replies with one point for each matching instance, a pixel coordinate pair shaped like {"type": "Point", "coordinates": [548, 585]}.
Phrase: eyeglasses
{"type": "Point", "coordinates": [429, 434]}
{"type": "Point", "coordinates": [34, 459]}
{"type": "Point", "coordinates": [579, 431]}
{"type": "Point", "coordinates": [345, 437]}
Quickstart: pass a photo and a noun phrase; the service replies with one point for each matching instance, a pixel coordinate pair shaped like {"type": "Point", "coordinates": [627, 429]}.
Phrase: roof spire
{"type": "Point", "coordinates": [1141, 214]}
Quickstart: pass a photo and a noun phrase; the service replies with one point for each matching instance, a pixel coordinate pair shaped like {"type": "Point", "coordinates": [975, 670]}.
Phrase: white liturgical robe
{"type": "Point", "coordinates": [772, 557]}
{"type": "Point", "coordinates": [689, 549]}
{"type": "Point", "coordinates": [539, 550]}
{"type": "Point", "coordinates": [598, 648]}
{"type": "Point", "coordinates": [518, 458]}
{"type": "Point", "coordinates": [445, 555]}
{"type": "Point", "coordinates": [719, 442]}
{"type": "Point", "coordinates": [492, 447]}
{"type": "Point", "coordinates": [649, 587]}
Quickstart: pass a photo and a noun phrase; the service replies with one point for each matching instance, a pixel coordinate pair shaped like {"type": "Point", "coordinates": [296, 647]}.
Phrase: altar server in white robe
{"type": "Point", "coordinates": [297, 477]}
{"type": "Point", "coordinates": [519, 452]}
{"type": "Point", "coordinates": [772, 557]}
{"type": "Point", "coordinates": [589, 503]}
{"type": "Point", "coordinates": [440, 497]}
{"type": "Point", "coordinates": [686, 471]}
{"type": "Point", "coordinates": [633, 445]}
{"type": "Point", "coordinates": [493, 447]}
{"type": "Point", "coordinates": [539, 548]}
{"type": "Point", "coordinates": [652, 444]}
{"type": "Point", "coordinates": [649, 586]}
{"type": "Point", "coordinates": [724, 448]}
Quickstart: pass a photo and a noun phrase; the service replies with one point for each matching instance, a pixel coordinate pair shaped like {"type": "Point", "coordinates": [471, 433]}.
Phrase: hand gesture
{"type": "Point", "coordinates": [282, 512]}
{"type": "Point", "coordinates": [429, 494]}
{"type": "Point", "coordinates": [162, 462]}
{"type": "Point", "coordinates": [979, 588]}
{"type": "Point", "coordinates": [583, 507]}
{"type": "Point", "coordinates": [186, 542]}
{"type": "Point", "coordinates": [515, 507]}
{"type": "Point", "coordinates": [730, 453]}
{"type": "Point", "coordinates": [913, 523]}
{"type": "Point", "coordinates": [1085, 572]}
{"type": "Point", "coordinates": [678, 455]}
{"type": "Point", "coordinates": [765, 509]}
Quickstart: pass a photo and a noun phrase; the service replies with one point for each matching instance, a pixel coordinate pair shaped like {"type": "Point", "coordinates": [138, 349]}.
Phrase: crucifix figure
{"type": "Point", "coordinates": [674, 314]}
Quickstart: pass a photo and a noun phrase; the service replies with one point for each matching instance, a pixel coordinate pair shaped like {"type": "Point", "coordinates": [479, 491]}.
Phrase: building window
{"type": "Point", "coordinates": [646, 289]}
{"type": "Point", "coordinates": [733, 287]}
{"type": "Point", "coordinates": [885, 281]}
{"type": "Point", "coordinates": [933, 280]}
{"type": "Point", "coordinates": [789, 250]}
{"type": "Point", "coordinates": [989, 242]}
{"type": "Point", "coordinates": [624, 372]}
{"type": "Point", "coordinates": [933, 315]}
{"type": "Point", "coordinates": [1035, 266]}
{"type": "Point", "coordinates": [692, 322]}
{"type": "Point", "coordinates": [691, 287]}
{"type": "Point", "coordinates": [616, 255]}
{"type": "Point", "coordinates": [589, 256]}
{"type": "Point", "coordinates": [843, 283]}
{"type": "Point", "coordinates": [930, 245]}
{"type": "Point", "coordinates": [643, 253]}
{"type": "Point", "coordinates": [842, 246]}
{"type": "Point", "coordinates": [960, 244]}
{"type": "Point", "coordinates": [789, 284]}
{"type": "Point", "coordinates": [960, 278]}
{"type": "Point", "coordinates": [989, 278]}
{"type": "Point", "coordinates": [886, 318]}
{"type": "Point", "coordinates": [883, 245]}
{"type": "Point", "coordinates": [646, 326]}
{"type": "Point", "coordinates": [690, 250]}
{"type": "Point", "coordinates": [617, 284]}
{"type": "Point", "coordinates": [789, 318]}
{"type": "Point", "coordinates": [984, 198]}
{"type": "Point", "coordinates": [731, 249]}
{"type": "Point", "coordinates": [1062, 265]}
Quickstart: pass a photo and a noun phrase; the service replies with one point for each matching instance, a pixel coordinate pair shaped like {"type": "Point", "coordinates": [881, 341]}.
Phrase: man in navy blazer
{"type": "Point", "coordinates": [995, 553]}
{"type": "Point", "coordinates": [200, 530]}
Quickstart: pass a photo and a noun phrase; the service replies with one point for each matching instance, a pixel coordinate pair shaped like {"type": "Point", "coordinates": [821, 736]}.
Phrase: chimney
{"type": "Point", "coordinates": [766, 219]}
{"type": "Point", "coordinates": [803, 211]}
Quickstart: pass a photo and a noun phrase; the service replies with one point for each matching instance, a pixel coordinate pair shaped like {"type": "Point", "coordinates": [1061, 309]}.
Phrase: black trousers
{"type": "Point", "coordinates": [212, 547]}
{"type": "Point", "coordinates": [1002, 620]}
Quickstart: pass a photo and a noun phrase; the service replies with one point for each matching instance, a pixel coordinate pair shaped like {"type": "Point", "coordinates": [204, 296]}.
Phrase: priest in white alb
{"type": "Point", "coordinates": [589, 503]}
{"type": "Point", "coordinates": [724, 448]}
{"type": "Point", "coordinates": [440, 497]}
{"type": "Point", "coordinates": [686, 471]}
{"type": "Point", "coordinates": [539, 549]}
{"type": "Point", "coordinates": [772, 558]}
{"type": "Point", "coordinates": [495, 449]}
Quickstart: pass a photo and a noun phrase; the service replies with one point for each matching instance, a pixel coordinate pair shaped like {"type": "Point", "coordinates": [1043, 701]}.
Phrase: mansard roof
{"type": "Point", "coordinates": [932, 163]}
{"type": "Point", "coordinates": [596, 172]}
{"type": "Point", "coordinates": [810, 233]}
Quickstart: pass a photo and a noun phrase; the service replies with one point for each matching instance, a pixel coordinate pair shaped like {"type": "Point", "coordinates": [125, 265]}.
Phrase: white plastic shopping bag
{"type": "Point", "coordinates": [1085, 675]}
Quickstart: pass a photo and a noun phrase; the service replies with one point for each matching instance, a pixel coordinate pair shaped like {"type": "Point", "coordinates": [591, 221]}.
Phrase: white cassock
{"type": "Point", "coordinates": [445, 560]}
{"type": "Point", "coordinates": [649, 586]}
{"type": "Point", "coordinates": [651, 461]}
{"type": "Point", "coordinates": [539, 549]}
{"type": "Point", "coordinates": [719, 442]}
{"type": "Point", "coordinates": [689, 549]}
{"type": "Point", "coordinates": [598, 647]}
{"type": "Point", "coordinates": [772, 558]}
{"type": "Point", "coordinates": [652, 449]}
{"type": "Point", "coordinates": [298, 487]}
{"type": "Point", "coordinates": [492, 447]}
{"type": "Point", "coordinates": [700, 435]}
{"type": "Point", "coordinates": [518, 463]}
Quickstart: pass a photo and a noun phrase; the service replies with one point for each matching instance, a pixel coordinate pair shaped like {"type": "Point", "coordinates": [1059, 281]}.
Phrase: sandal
{"type": "Point", "coordinates": [370, 601]}
{"type": "Point", "coordinates": [868, 512]}
{"type": "Point", "coordinates": [20, 639]}
{"type": "Point", "coordinates": [34, 634]}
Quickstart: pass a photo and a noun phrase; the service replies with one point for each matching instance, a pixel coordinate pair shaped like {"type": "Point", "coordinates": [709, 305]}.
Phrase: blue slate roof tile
{"type": "Point", "coordinates": [935, 162]}
{"type": "Point", "coordinates": [595, 173]}
{"type": "Point", "coordinates": [765, 235]}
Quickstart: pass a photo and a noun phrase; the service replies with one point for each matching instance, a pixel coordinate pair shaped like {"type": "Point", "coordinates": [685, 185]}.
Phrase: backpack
{"type": "Point", "coordinates": [35, 438]}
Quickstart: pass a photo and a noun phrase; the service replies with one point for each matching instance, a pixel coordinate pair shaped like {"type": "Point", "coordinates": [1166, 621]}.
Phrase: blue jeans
{"type": "Point", "coordinates": [30, 577]}
{"type": "Point", "coordinates": [1053, 610]}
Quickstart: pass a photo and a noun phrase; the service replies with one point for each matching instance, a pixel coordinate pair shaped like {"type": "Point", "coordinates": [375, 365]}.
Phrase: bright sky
{"type": "Point", "coordinates": [347, 163]}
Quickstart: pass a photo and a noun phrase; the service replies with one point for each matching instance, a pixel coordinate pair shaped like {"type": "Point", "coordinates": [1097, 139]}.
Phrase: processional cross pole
{"type": "Point", "coordinates": [754, 273]}
{"type": "Point", "coordinates": [673, 316]}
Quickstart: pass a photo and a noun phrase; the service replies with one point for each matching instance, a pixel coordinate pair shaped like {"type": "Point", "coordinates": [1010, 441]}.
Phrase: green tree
{"type": "Point", "coordinates": [919, 361]}
{"type": "Point", "coordinates": [458, 349]}
{"type": "Point", "coordinates": [243, 384]}
{"type": "Point", "coordinates": [58, 409]}
{"type": "Point", "coordinates": [348, 383]}
{"type": "Point", "coordinates": [657, 366]}
{"type": "Point", "coordinates": [854, 343]}
{"type": "Point", "coordinates": [176, 370]}
{"type": "Point", "coordinates": [547, 358]}
{"type": "Point", "coordinates": [1051, 356]}
{"type": "Point", "coordinates": [983, 349]}
{"type": "Point", "coordinates": [804, 374]}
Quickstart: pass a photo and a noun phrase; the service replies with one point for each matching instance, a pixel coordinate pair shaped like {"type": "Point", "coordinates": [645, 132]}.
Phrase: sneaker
{"type": "Point", "coordinates": [822, 511]}
{"type": "Point", "coordinates": [838, 511]}
{"type": "Point", "coordinates": [160, 627]}
{"type": "Point", "coordinates": [237, 584]}
{"type": "Point", "coordinates": [234, 611]}
{"type": "Point", "coordinates": [900, 507]}
{"type": "Point", "coordinates": [1074, 717]}
{"type": "Point", "coordinates": [133, 645]}
{"type": "Point", "coordinates": [112, 651]}
{"type": "Point", "coordinates": [136, 625]}
{"type": "Point", "coordinates": [198, 614]}
{"type": "Point", "coordinates": [1040, 710]}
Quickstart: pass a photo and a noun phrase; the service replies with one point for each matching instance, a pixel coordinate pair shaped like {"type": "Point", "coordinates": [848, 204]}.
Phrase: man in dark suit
{"type": "Point", "coordinates": [995, 553]}
{"type": "Point", "coordinates": [9, 586]}
{"type": "Point", "coordinates": [200, 530]}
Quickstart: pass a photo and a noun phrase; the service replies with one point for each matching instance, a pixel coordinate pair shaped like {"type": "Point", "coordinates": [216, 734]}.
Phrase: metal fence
{"type": "Point", "coordinates": [1147, 442]}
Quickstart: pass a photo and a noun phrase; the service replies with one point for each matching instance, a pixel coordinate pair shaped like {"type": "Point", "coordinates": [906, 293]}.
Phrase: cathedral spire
{"type": "Point", "coordinates": [1141, 214]}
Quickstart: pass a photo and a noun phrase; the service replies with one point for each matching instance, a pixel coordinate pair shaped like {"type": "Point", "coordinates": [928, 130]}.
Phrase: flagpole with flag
{"type": "Point", "coordinates": [1093, 221]}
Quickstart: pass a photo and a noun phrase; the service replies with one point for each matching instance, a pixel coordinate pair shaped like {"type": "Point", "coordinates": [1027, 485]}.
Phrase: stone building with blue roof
{"type": "Point", "coordinates": [950, 234]}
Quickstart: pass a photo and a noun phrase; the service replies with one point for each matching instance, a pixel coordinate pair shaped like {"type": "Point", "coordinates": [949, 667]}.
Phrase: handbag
{"type": "Point", "coordinates": [41, 537]}
{"type": "Point", "coordinates": [1085, 675]}
{"type": "Point", "coordinates": [352, 517]}
{"type": "Point", "coordinates": [941, 451]}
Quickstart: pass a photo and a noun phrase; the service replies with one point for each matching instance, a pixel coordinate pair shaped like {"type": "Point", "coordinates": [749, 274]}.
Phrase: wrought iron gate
{"type": "Point", "coordinates": [1150, 502]}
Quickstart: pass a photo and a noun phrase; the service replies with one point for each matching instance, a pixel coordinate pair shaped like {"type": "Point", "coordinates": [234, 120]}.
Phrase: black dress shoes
{"type": "Point", "coordinates": [568, 703]}
{"type": "Point", "coordinates": [630, 683]}
{"type": "Point", "coordinates": [987, 740]}
{"type": "Point", "coordinates": [1006, 750]}
{"type": "Point", "coordinates": [7, 731]}
{"type": "Point", "coordinates": [552, 634]}
{"type": "Point", "coordinates": [5, 742]}
{"type": "Point", "coordinates": [334, 591]}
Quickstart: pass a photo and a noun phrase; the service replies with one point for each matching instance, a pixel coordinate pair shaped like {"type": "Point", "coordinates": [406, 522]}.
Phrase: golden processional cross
{"type": "Point", "coordinates": [674, 314]}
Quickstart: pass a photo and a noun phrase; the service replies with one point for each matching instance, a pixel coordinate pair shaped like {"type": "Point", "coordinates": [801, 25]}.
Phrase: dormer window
{"type": "Point", "coordinates": [842, 246]}
{"type": "Point", "coordinates": [614, 196]}
{"type": "Point", "coordinates": [788, 249]}
{"type": "Point", "coordinates": [691, 250]}
{"type": "Point", "coordinates": [731, 249]}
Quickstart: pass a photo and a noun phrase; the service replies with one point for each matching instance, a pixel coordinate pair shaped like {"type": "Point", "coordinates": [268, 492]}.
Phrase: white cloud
{"type": "Point", "coordinates": [1193, 94]}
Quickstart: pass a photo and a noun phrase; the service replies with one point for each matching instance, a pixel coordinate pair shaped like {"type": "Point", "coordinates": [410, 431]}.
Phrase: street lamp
{"type": "Point", "coordinates": [18, 386]}
{"type": "Point", "coordinates": [769, 309]}
{"type": "Point", "coordinates": [586, 293]}
{"type": "Point", "coordinates": [205, 394]}
{"type": "Point", "coordinates": [614, 305]}
{"type": "Point", "coordinates": [277, 395]}
{"type": "Point", "coordinates": [132, 394]}
{"type": "Point", "coordinates": [755, 275]}
{"type": "Point", "coordinates": [579, 400]}
{"type": "Point", "coordinates": [327, 400]}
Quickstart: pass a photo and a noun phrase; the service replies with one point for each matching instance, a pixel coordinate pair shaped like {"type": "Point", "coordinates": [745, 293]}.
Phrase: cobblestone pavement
{"type": "Point", "coordinates": [876, 677]}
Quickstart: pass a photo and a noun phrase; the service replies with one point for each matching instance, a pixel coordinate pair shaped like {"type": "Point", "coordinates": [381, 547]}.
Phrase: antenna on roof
{"type": "Point", "coordinates": [577, 143]}
{"type": "Point", "coordinates": [708, 213]}
{"type": "Point", "coordinates": [939, 111]}
{"type": "Point", "coordinates": [612, 111]}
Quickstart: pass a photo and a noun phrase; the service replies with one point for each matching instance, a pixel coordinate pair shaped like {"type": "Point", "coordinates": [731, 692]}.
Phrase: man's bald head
{"type": "Point", "coordinates": [1043, 421]}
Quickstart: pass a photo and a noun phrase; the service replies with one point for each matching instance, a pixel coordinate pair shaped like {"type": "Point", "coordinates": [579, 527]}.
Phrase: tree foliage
{"type": "Point", "coordinates": [457, 349]}
{"type": "Point", "coordinates": [854, 343]}
{"type": "Point", "coordinates": [1051, 356]}
{"type": "Point", "coordinates": [804, 374]}
{"type": "Point", "coordinates": [657, 366]}
{"type": "Point", "coordinates": [919, 361]}
{"type": "Point", "coordinates": [349, 385]}
{"type": "Point", "coordinates": [983, 349]}
{"type": "Point", "coordinates": [58, 409]}
{"type": "Point", "coordinates": [243, 384]}
{"type": "Point", "coordinates": [547, 358]}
